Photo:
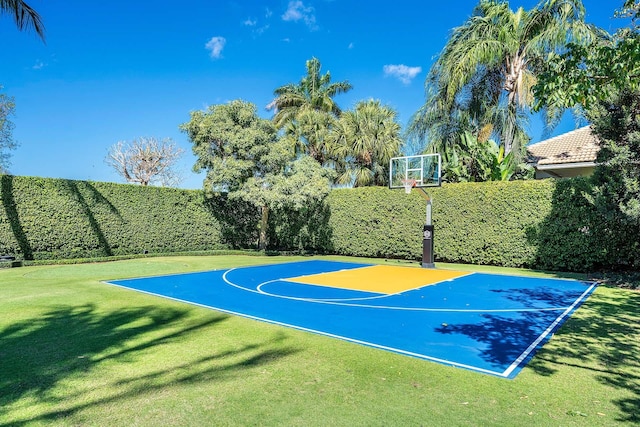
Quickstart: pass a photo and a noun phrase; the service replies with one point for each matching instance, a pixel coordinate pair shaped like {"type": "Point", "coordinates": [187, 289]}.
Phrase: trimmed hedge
{"type": "Point", "coordinates": [478, 223]}
{"type": "Point", "coordinates": [45, 218]}
{"type": "Point", "coordinates": [376, 222]}
{"type": "Point", "coordinates": [546, 224]}
{"type": "Point", "coordinates": [585, 233]}
{"type": "Point", "coordinates": [540, 224]}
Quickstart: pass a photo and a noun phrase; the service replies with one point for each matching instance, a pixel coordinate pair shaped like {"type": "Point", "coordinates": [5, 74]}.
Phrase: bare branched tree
{"type": "Point", "coordinates": [146, 161]}
{"type": "Point", "coordinates": [7, 143]}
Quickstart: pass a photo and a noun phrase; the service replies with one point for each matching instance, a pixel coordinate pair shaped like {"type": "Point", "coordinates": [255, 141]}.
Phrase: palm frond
{"type": "Point", "coordinates": [23, 15]}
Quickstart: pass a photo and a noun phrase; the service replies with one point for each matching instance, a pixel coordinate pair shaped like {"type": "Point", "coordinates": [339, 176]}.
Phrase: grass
{"type": "Point", "coordinates": [74, 351]}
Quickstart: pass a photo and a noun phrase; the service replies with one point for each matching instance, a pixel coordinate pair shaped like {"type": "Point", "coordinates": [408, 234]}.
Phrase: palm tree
{"type": "Point", "coordinates": [367, 138]}
{"type": "Point", "coordinates": [24, 15]}
{"type": "Point", "coordinates": [310, 133]}
{"type": "Point", "coordinates": [303, 107]}
{"type": "Point", "coordinates": [483, 79]}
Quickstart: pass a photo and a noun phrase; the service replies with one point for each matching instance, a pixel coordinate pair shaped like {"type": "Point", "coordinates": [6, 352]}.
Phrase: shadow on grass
{"type": "Point", "coordinates": [40, 353]}
{"type": "Point", "coordinates": [602, 337]}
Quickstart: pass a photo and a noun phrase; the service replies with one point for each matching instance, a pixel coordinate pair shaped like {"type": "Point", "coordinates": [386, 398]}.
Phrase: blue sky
{"type": "Point", "coordinates": [118, 70]}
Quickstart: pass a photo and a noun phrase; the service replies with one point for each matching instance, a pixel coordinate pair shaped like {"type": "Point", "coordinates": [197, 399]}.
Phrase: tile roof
{"type": "Point", "coordinates": [578, 146]}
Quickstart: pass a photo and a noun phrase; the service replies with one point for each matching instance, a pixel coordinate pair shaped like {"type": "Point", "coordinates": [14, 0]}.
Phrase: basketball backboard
{"type": "Point", "coordinates": [419, 171]}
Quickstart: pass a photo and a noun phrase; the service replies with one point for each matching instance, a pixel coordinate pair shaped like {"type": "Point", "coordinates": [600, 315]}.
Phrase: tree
{"type": "Point", "coordinates": [302, 108]}
{"type": "Point", "coordinates": [244, 157]}
{"type": "Point", "coordinates": [586, 74]}
{"type": "Point", "coordinates": [146, 161]}
{"type": "Point", "coordinates": [310, 134]}
{"type": "Point", "coordinates": [604, 80]}
{"type": "Point", "coordinates": [7, 107]}
{"type": "Point", "coordinates": [301, 183]}
{"type": "Point", "coordinates": [482, 81]}
{"type": "Point", "coordinates": [367, 138]}
{"type": "Point", "coordinates": [24, 16]}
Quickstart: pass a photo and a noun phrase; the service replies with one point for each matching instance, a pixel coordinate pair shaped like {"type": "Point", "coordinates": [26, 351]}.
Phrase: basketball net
{"type": "Point", "coordinates": [408, 185]}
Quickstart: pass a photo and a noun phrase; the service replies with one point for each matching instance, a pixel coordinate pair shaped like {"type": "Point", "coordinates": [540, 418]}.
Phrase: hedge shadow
{"type": "Point", "coordinates": [11, 212]}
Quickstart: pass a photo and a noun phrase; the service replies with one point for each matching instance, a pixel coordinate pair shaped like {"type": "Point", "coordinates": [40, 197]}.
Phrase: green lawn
{"type": "Point", "coordinates": [74, 351]}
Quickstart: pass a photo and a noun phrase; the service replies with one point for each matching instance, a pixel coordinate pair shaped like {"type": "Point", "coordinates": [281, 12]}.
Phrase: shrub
{"type": "Point", "coordinates": [480, 223]}
{"type": "Point", "coordinates": [56, 218]}
{"type": "Point", "coordinates": [542, 224]}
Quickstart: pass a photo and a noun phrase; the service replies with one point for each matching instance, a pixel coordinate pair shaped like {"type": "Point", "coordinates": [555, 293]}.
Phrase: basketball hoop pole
{"type": "Point", "coordinates": [426, 196]}
{"type": "Point", "coordinates": [427, 236]}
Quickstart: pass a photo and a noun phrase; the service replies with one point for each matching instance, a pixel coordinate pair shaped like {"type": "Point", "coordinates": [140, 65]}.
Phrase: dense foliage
{"type": "Point", "coordinates": [54, 218]}
{"type": "Point", "coordinates": [541, 224]}
{"type": "Point", "coordinates": [482, 80]}
{"type": "Point", "coordinates": [481, 223]}
{"type": "Point", "coordinates": [474, 160]}
{"type": "Point", "coordinates": [604, 80]}
{"type": "Point", "coordinates": [244, 158]}
{"type": "Point", "coordinates": [356, 144]}
{"type": "Point", "coordinates": [583, 75]}
{"type": "Point", "coordinates": [367, 137]}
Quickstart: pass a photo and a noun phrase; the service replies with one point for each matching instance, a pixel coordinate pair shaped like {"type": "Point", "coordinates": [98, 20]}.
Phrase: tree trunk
{"type": "Point", "coordinates": [262, 242]}
{"type": "Point", "coordinates": [509, 132]}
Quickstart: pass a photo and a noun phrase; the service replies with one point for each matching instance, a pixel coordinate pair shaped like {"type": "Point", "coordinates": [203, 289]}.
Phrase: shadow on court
{"type": "Point", "coordinates": [505, 336]}
{"type": "Point", "coordinates": [602, 337]}
{"type": "Point", "coordinates": [539, 297]}
{"type": "Point", "coordinates": [66, 343]}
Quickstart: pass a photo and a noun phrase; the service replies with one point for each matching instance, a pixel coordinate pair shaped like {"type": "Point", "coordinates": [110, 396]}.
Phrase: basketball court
{"type": "Point", "coordinates": [486, 323]}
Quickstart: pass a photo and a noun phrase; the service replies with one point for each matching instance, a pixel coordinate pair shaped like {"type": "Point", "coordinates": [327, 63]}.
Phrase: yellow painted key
{"type": "Point", "coordinates": [382, 279]}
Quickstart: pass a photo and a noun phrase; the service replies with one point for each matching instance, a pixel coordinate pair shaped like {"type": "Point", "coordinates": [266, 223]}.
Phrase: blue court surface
{"type": "Point", "coordinates": [487, 323]}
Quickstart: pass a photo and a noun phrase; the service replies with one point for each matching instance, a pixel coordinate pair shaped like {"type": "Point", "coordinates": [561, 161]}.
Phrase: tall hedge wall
{"type": "Point", "coordinates": [44, 218]}
{"type": "Point", "coordinates": [543, 224]}
{"type": "Point", "coordinates": [480, 223]}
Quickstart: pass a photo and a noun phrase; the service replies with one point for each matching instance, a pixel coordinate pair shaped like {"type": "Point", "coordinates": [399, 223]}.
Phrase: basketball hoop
{"type": "Point", "coordinates": [408, 184]}
{"type": "Point", "coordinates": [421, 171]}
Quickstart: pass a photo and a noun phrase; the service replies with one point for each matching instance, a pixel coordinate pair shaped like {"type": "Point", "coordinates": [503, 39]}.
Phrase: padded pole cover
{"type": "Point", "coordinates": [427, 247]}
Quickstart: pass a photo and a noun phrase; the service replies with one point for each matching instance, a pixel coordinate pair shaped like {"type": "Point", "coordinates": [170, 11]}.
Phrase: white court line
{"type": "Point", "coordinates": [258, 290]}
{"type": "Point", "coordinates": [547, 331]}
{"type": "Point", "coordinates": [356, 299]}
{"type": "Point", "coordinates": [302, 328]}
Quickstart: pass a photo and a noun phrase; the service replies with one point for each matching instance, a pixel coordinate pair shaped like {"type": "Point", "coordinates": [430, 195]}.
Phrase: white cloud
{"type": "Point", "coordinates": [262, 29]}
{"type": "Point", "coordinates": [350, 46]}
{"type": "Point", "coordinates": [39, 65]}
{"type": "Point", "coordinates": [215, 46]}
{"type": "Point", "coordinates": [297, 11]}
{"type": "Point", "coordinates": [402, 72]}
{"type": "Point", "coordinates": [253, 23]}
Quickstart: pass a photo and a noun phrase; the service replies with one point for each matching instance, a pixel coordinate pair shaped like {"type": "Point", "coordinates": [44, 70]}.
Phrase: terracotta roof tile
{"type": "Point", "coordinates": [577, 146]}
